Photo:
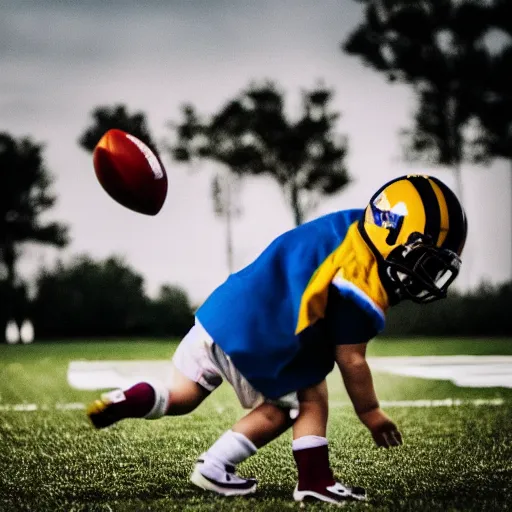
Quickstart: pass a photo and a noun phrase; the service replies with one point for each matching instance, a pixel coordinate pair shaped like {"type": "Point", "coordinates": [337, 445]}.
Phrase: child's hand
{"type": "Point", "coordinates": [384, 432]}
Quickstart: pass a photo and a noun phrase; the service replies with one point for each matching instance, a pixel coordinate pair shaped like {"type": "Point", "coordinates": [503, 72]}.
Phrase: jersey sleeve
{"type": "Point", "coordinates": [347, 322]}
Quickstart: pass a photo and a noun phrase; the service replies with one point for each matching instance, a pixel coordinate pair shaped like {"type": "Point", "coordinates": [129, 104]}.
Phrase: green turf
{"type": "Point", "coordinates": [456, 458]}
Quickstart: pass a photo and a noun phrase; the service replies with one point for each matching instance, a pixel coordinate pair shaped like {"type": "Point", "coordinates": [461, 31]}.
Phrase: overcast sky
{"type": "Point", "coordinates": [59, 60]}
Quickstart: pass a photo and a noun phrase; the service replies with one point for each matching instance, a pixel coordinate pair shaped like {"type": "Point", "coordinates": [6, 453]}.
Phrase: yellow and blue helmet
{"type": "Point", "coordinates": [417, 228]}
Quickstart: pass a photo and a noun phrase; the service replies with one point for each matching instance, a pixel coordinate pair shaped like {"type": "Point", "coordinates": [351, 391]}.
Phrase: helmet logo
{"type": "Point", "coordinates": [388, 217]}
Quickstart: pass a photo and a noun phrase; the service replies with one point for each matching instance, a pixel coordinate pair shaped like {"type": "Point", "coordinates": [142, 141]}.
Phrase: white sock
{"type": "Point", "coordinates": [308, 442]}
{"type": "Point", "coordinates": [161, 401]}
{"type": "Point", "coordinates": [231, 448]}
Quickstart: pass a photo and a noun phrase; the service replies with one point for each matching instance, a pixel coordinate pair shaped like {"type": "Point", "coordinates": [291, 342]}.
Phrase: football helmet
{"type": "Point", "coordinates": [417, 228]}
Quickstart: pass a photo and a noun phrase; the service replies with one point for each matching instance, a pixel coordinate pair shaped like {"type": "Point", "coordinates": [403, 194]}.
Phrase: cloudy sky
{"type": "Point", "coordinates": [59, 60]}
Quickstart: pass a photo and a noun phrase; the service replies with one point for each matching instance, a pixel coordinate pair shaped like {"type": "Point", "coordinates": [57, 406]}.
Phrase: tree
{"type": "Point", "coordinates": [483, 312]}
{"type": "Point", "coordinates": [438, 48]}
{"type": "Point", "coordinates": [495, 109]}
{"type": "Point", "coordinates": [171, 312]}
{"type": "Point", "coordinates": [25, 194]}
{"type": "Point", "coordinates": [89, 298]}
{"type": "Point", "coordinates": [117, 116]}
{"type": "Point", "coordinates": [252, 135]}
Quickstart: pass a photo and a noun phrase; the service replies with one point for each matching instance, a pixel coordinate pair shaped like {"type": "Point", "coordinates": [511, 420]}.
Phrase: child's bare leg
{"type": "Point", "coordinates": [313, 412]}
{"type": "Point", "coordinates": [311, 452]}
{"type": "Point", "coordinates": [193, 378]}
{"type": "Point", "coordinates": [215, 469]}
{"type": "Point", "coordinates": [309, 438]}
{"type": "Point", "coordinates": [185, 394]}
{"type": "Point", "coordinates": [264, 424]}
{"type": "Point", "coordinates": [147, 400]}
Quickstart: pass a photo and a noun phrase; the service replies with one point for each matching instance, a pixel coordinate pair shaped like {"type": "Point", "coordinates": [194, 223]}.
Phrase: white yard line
{"type": "Point", "coordinates": [446, 402]}
{"type": "Point", "coordinates": [72, 406]}
{"type": "Point", "coordinates": [462, 370]}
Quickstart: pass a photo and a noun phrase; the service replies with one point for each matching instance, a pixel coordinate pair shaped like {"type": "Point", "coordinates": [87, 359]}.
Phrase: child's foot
{"type": "Point", "coordinates": [223, 481]}
{"type": "Point", "coordinates": [337, 494]}
{"type": "Point", "coordinates": [103, 411]}
{"type": "Point", "coordinates": [136, 402]}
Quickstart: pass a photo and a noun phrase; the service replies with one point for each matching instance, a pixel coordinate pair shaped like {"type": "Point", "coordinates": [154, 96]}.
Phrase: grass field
{"type": "Point", "coordinates": [454, 458]}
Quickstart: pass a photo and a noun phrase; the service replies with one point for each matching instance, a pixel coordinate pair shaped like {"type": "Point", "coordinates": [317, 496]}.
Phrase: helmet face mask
{"type": "Point", "coordinates": [421, 272]}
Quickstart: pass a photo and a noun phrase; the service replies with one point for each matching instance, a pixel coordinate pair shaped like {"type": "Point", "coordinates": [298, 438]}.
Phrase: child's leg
{"type": "Point", "coordinates": [193, 377]}
{"type": "Point", "coordinates": [147, 400]}
{"type": "Point", "coordinates": [313, 412]}
{"type": "Point", "coordinates": [215, 469]}
{"type": "Point", "coordinates": [309, 438]}
{"type": "Point", "coordinates": [311, 453]}
{"type": "Point", "coordinates": [264, 424]}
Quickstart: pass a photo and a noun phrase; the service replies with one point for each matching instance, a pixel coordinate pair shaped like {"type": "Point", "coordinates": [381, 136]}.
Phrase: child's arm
{"type": "Point", "coordinates": [357, 376]}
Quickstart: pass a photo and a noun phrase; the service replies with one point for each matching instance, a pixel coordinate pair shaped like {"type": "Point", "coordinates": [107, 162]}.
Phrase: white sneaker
{"type": "Point", "coordinates": [222, 481]}
{"type": "Point", "coordinates": [337, 494]}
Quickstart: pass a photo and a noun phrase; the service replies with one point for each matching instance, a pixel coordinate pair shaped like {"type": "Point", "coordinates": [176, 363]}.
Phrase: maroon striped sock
{"type": "Point", "coordinates": [313, 467]}
{"type": "Point", "coordinates": [139, 400]}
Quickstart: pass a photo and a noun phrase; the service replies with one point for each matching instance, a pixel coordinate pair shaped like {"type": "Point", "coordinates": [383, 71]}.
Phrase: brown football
{"type": "Point", "coordinates": [130, 172]}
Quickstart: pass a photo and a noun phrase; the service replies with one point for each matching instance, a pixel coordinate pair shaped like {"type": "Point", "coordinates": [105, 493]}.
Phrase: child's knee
{"type": "Point", "coordinates": [277, 417]}
{"type": "Point", "coordinates": [317, 394]}
{"type": "Point", "coordinates": [184, 395]}
{"type": "Point", "coordinates": [183, 400]}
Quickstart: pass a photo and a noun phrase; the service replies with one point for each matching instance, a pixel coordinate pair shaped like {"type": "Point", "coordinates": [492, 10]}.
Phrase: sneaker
{"type": "Point", "coordinates": [101, 413]}
{"type": "Point", "coordinates": [337, 494]}
{"type": "Point", "coordinates": [224, 482]}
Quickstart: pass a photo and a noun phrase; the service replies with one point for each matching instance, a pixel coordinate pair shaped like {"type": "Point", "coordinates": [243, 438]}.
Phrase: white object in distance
{"type": "Point", "coordinates": [12, 333]}
{"type": "Point", "coordinates": [27, 332]}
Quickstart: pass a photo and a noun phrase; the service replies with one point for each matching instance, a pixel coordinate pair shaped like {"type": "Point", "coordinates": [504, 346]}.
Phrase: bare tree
{"type": "Point", "coordinates": [437, 47]}
{"type": "Point", "coordinates": [252, 135]}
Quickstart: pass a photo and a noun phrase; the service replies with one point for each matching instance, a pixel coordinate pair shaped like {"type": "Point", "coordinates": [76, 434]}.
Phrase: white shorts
{"type": "Point", "coordinates": [204, 362]}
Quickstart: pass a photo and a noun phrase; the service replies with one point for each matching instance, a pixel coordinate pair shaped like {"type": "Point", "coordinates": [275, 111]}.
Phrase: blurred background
{"type": "Point", "coordinates": [266, 115]}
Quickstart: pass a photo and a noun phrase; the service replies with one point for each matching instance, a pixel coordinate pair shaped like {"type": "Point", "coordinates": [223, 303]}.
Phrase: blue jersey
{"type": "Point", "coordinates": [280, 318]}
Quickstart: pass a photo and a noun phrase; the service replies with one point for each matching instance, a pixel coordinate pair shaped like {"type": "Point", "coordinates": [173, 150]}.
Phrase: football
{"type": "Point", "coordinates": [130, 172]}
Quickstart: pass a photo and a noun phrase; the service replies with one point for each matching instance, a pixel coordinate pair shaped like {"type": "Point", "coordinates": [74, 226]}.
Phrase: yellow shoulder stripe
{"type": "Point", "coordinates": [353, 261]}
